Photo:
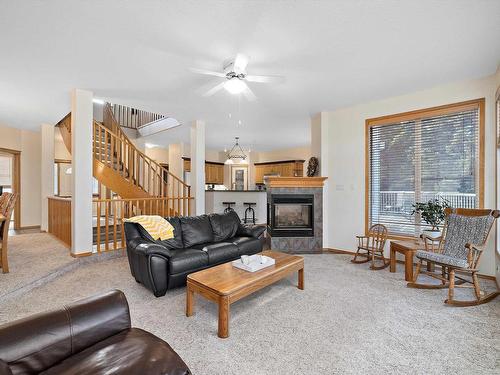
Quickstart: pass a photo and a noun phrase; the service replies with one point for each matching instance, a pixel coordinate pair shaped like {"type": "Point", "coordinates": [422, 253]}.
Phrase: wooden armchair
{"type": "Point", "coordinates": [371, 246]}
{"type": "Point", "coordinates": [458, 249]}
{"type": "Point", "coordinates": [7, 203]}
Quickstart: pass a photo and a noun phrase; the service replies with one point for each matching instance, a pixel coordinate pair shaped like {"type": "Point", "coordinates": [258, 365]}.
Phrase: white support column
{"type": "Point", "coordinates": [46, 171]}
{"type": "Point", "coordinates": [198, 166]}
{"type": "Point", "coordinates": [324, 161]}
{"type": "Point", "coordinates": [81, 178]}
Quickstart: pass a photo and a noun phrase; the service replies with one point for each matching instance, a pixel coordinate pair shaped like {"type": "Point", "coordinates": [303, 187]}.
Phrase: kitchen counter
{"type": "Point", "coordinates": [214, 199]}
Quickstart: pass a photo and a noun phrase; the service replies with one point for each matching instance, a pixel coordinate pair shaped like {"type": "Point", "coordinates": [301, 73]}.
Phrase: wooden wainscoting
{"type": "Point", "coordinates": [60, 218]}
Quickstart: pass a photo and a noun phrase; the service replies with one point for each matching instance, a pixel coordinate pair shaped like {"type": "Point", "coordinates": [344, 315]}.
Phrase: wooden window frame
{"type": "Point", "coordinates": [16, 184]}
{"type": "Point", "coordinates": [415, 115]}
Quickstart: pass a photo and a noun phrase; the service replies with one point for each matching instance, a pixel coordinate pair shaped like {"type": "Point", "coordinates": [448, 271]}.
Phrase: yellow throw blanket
{"type": "Point", "coordinates": [156, 226]}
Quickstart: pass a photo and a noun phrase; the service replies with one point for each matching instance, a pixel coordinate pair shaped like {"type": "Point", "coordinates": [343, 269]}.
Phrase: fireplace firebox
{"type": "Point", "coordinates": [291, 215]}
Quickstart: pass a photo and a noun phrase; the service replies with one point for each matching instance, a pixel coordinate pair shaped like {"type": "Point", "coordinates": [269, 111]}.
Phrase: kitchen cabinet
{"type": "Point", "coordinates": [285, 168]}
{"type": "Point", "coordinates": [214, 171]}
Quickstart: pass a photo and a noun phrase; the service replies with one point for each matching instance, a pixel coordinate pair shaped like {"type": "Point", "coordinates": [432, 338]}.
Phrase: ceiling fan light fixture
{"type": "Point", "coordinates": [235, 85]}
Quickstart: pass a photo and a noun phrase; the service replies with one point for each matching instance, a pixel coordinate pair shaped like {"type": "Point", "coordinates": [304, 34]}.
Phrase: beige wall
{"type": "Point", "coordinates": [346, 149]}
{"type": "Point", "coordinates": [28, 143]}
{"type": "Point", "coordinates": [60, 150]}
{"type": "Point", "coordinates": [158, 154]}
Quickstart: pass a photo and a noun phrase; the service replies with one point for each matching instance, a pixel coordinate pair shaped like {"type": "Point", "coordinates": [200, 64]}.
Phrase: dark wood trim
{"type": "Point", "coordinates": [62, 161]}
{"type": "Point", "coordinates": [206, 161]}
{"type": "Point", "coordinates": [279, 162]}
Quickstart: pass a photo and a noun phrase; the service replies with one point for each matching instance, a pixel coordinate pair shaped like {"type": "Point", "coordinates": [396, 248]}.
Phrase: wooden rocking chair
{"type": "Point", "coordinates": [7, 203]}
{"type": "Point", "coordinates": [371, 246]}
{"type": "Point", "coordinates": [459, 250]}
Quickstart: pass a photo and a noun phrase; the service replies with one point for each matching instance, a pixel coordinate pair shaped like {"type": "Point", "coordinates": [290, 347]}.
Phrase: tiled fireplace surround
{"type": "Point", "coordinates": [300, 244]}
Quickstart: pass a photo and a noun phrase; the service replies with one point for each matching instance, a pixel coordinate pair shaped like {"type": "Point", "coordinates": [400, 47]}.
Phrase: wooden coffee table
{"type": "Point", "coordinates": [225, 284]}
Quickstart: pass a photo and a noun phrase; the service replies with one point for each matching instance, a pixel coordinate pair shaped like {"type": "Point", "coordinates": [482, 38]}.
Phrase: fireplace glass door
{"type": "Point", "coordinates": [290, 215]}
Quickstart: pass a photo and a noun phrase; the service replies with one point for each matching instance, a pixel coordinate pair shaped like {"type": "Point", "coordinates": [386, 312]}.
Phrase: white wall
{"type": "Point", "coordinates": [345, 144]}
{"type": "Point", "coordinates": [28, 143]}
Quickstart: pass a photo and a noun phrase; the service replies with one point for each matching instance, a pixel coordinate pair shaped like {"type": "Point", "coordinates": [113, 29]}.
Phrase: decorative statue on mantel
{"type": "Point", "coordinates": [312, 167]}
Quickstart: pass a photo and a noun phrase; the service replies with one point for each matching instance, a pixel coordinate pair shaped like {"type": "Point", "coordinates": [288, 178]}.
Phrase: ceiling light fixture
{"type": "Point", "coordinates": [235, 85]}
{"type": "Point", "coordinates": [236, 153]}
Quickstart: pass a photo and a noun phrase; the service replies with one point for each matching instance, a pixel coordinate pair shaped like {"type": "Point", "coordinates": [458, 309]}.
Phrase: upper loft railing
{"type": "Point", "coordinates": [133, 118]}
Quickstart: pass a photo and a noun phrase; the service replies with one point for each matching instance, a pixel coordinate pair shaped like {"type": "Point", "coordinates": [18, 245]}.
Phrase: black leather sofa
{"type": "Point", "coordinates": [200, 242]}
{"type": "Point", "coordinates": [91, 336]}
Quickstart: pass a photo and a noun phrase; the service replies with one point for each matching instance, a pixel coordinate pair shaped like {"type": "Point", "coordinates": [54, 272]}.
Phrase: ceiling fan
{"type": "Point", "coordinates": [235, 77]}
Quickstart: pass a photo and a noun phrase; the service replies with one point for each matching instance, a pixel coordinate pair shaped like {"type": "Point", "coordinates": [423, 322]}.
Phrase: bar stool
{"type": "Point", "coordinates": [249, 211]}
{"type": "Point", "coordinates": [228, 208]}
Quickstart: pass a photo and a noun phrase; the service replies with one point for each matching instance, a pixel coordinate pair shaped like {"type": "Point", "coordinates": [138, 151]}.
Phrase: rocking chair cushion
{"type": "Point", "coordinates": [443, 259]}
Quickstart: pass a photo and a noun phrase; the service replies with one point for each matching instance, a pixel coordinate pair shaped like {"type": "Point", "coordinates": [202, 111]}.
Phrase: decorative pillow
{"type": "Point", "coordinates": [196, 230]}
{"type": "Point", "coordinates": [224, 226]}
{"type": "Point", "coordinates": [156, 226]}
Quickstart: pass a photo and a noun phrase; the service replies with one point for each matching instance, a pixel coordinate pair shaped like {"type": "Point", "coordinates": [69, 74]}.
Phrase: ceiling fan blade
{"type": "Point", "coordinates": [214, 89]}
{"type": "Point", "coordinates": [264, 79]}
{"type": "Point", "coordinates": [207, 72]}
{"type": "Point", "coordinates": [249, 94]}
{"type": "Point", "coordinates": [240, 63]}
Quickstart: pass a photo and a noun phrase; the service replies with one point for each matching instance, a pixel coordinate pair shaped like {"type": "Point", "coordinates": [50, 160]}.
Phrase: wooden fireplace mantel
{"type": "Point", "coordinates": [300, 182]}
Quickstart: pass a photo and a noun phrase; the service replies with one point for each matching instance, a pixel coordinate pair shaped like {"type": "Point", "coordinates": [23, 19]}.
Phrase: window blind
{"type": "Point", "coordinates": [420, 159]}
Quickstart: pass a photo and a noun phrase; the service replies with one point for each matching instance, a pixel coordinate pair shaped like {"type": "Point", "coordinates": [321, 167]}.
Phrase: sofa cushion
{"type": "Point", "coordinates": [220, 252]}
{"type": "Point", "coordinates": [132, 351]}
{"type": "Point", "coordinates": [173, 243]}
{"type": "Point", "coordinates": [187, 259]}
{"type": "Point", "coordinates": [247, 245]}
{"type": "Point", "coordinates": [196, 230]}
{"type": "Point", "coordinates": [224, 226]}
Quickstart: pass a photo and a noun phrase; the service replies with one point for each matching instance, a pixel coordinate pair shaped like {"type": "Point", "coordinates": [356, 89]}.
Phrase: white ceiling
{"type": "Point", "coordinates": [333, 54]}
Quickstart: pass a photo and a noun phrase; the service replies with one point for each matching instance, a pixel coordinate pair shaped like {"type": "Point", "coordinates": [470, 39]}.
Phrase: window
{"type": "Point", "coordinates": [421, 155]}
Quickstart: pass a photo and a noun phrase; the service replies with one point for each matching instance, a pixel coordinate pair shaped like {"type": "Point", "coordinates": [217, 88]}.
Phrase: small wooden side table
{"type": "Point", "coordinates": [408, 248]}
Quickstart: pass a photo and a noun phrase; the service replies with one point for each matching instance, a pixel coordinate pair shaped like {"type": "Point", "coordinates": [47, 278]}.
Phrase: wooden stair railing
{"type": "Point", "coordinates": [133, 118]}
{"type": "Point", "coordinates": [126, 159]}
{"type": "Point", "coordinates": [124, 169]}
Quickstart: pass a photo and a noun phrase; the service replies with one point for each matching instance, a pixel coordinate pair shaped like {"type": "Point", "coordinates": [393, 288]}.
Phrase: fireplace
{"type": "Point", "coordinates": [291, 215]}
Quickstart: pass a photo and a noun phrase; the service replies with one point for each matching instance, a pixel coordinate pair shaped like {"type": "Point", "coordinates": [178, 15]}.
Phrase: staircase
{"type": "Point", "coordinates": [121, 166]}
{"type": "Point", "coordinates": [135, 183]}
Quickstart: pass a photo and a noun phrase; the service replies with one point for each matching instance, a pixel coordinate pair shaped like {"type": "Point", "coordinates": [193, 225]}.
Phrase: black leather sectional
{"type": "Point", "coordinates": [200, 242]}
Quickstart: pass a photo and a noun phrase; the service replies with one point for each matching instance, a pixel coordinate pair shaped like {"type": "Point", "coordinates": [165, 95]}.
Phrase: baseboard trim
{"type": "Point", "coordinates": [327, 250]}
{"type": "Point", "coordinates": [81, 255]}
{"type": "Point", "coordinates": [29, 227]}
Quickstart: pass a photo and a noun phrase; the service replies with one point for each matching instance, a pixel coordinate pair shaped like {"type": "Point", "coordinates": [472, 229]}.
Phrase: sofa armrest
{"type": "Point", "coordinates": [254, 231]}
{"type": "Point", "coordinates": [148, 248]}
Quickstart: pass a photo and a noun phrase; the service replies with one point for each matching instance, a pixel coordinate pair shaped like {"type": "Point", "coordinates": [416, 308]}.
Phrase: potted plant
{"type": "Point", "coordinates": [433, 214]}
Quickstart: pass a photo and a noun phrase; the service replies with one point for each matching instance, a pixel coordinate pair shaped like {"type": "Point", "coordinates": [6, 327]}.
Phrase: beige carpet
{"type": "Point", "coordinates": [349, 320]}
{"type": "Point", "coordinates": [32, 259]}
